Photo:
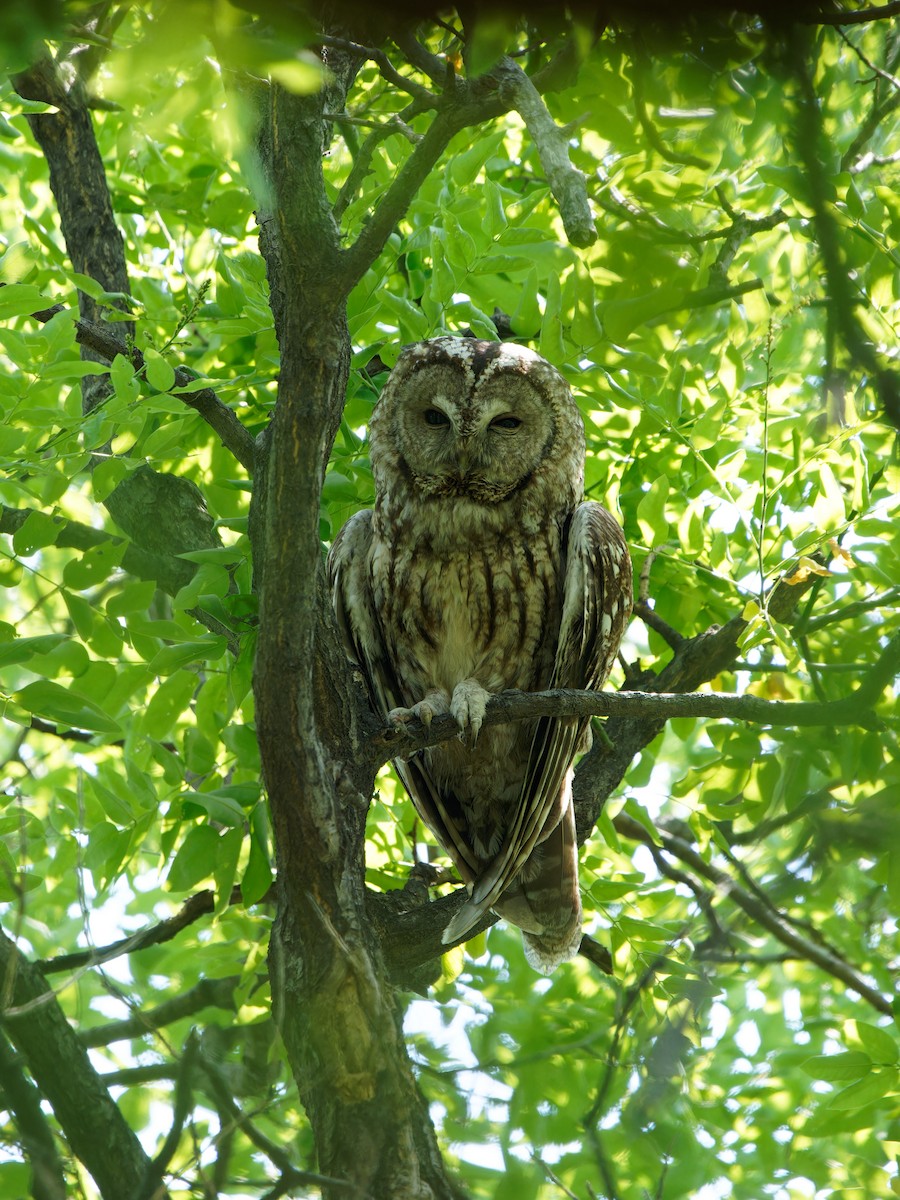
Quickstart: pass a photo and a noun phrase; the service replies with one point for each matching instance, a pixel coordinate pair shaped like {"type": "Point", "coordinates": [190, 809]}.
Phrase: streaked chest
{"type": "Point", "coordinates": [490, 615]}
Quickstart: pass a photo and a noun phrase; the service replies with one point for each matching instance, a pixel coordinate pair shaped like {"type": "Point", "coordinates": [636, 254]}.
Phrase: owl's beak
{"type": "Point", "coordinates": [464, 455]}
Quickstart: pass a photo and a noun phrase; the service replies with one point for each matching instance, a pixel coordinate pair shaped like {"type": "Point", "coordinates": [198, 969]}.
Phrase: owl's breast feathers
{"type": "Point", "coordinates": [491, 615]}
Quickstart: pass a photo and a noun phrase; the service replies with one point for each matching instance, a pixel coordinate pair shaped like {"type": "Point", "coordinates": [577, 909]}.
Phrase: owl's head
{"type": "Point", "coordinates": [477, 421]}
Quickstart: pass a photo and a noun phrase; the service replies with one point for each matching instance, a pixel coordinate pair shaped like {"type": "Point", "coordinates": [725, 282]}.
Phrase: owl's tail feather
{"type": "Point", "coordinates": [545, 954]}
{"type": "Point", "coordinates": [467, 918]}
{"type": "Point", "coordinates": [543, 901]}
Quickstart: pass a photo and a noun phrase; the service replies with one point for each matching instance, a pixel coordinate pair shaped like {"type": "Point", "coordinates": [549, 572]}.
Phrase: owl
{"type": "Point", "coordinates": [481, 569]}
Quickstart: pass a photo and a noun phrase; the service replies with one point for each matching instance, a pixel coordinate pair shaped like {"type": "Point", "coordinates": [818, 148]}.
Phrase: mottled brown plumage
{"type": "Point", "coordinates": [478, 570]}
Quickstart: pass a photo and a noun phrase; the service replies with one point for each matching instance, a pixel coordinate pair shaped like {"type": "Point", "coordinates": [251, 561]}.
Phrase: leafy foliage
{"type": "Point", "coordinates": [731, 337]}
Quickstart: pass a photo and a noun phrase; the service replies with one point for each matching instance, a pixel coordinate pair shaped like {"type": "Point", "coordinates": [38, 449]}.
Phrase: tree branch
{"type": "Point", "coordinates": [842, 290]}
{"type": "Point", "coordinates": [857, 16]}
{"type": "Point", "coordinates": [181, 1110]}
{"type": "Point", "coordinates": [694, 662]}
{"type": "Point", "coordinates": [208, 993]}
{"type": "Point", "coordinates": [276, 1154]}
{"type": "Point", "coordinates": [95, 1128]}
{"type": "Point", "coordinates": [465, 104]}
{"type": "Point", "coordinates": [356, 260]}
{"type": "Point", "coordinates": [196, 906]}
{"type": "Point", "coordinates": [439, 70]}
{"type": "Point", "coordinates": [567, 183]}
{"type": "Point", "coordinates": [764, 914]}
{"type": "Point", "coordinates": [504, 707]}
{"type": "Point", "coordinates": [48, 1177]}
{"type": "Point", "coordinates": [386, 67]}
{"type": "Point", "coordinates": [102, 340]}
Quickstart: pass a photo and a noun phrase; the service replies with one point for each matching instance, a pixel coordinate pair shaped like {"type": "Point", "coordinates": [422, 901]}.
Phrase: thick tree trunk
{"type": "Point", "coordinates": [338, 1013]}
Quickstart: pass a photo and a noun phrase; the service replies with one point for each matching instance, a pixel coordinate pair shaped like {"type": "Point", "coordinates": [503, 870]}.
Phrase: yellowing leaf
{"type": "Point", "coordinates": [839, 552]}
{"type": "Point", "coordinates": [805, 567]}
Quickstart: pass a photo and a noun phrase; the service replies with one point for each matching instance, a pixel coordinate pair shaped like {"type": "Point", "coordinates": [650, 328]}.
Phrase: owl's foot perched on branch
{"type": "Point", "coordinates": [468, 707]}
{"type": "Point", "coordinates": [434, 704]}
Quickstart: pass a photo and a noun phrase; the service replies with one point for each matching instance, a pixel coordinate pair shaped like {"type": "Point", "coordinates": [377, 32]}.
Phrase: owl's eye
{"type": "Point", "coordinates": [434, 416]}
{"type": "Point", "coordinates": [506, 423]}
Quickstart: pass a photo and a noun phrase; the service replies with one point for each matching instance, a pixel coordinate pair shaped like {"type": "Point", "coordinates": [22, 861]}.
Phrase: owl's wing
{"type": "Point", "coordinates": [597, 599]}
{"type": "Point", "coordinates": [357, 620]}
{"type": "Point", "coordinates": [365, 645]}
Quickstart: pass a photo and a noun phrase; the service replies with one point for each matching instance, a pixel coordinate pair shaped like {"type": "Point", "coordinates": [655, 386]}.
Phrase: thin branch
{"type": "Point", "coordinates": [873, 67]}
{"type": "Point", "coordinates": [643, 610]}
{"type": "Point", "coordinates": [276, 1154]}
{"type": "Point", "coordinates": [360, 168]}
{"type": "Point", "coordinates": [696, 661]}
{"type": "Point", "coordinates": [553, 1178]}
{"type": "Point", "coordinates": [208, 993]}
{"type": "Point", "coordinates": [567, 183]}
{"type": "Point", "coordinates": [356, 260]}
{"type": "Point", "coordinates": [763, 913]}
{"type": "Point", "coordinates": [196, 906]}
{"type": "Point", "coordinates": [181, 1110]}
{"type": "Point", "coordinates": [386, 67]}
{"type": "Point", "coordinates": [849, 611]}
{"type": "Point", "coordinates": [466, 104]}
{"type": "Point", "coordinates": [857, 16]}
{"type": "Point", "coordinates": [439, 70]}
{"type": "Point", "coordinates": [742, 227]}
{"type": "Point", "coordinates": [220, 418]}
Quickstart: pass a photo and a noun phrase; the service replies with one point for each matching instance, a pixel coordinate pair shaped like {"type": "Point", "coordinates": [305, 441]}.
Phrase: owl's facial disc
{"type": "Point", "coordinates": [480, 446]}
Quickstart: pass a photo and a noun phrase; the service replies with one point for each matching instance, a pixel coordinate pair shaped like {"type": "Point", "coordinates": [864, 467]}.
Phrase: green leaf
{"type": "Point", "coordinates": [20, 300]}
{"type": "Point", "coordinates": [168, 702]}
{"type": "Point", "coordinates": [121, 372]}
{"type": "Point", "coordinates": [160, 374]}
{"type": "Point", "coordinates": [851, 1064]}
{"type": "Point", "coordinates": [651, 512]}
{"type": "Point", "coordinates": [877, 1086]}
{"type": "Point", "coordinates": [172, 658]}
{"type": "Point", "coordinates": [196, 859]}
{"type": "Point", "coordinates": [64, 706]}
{"type": "Point", "coordinates": [37, 530]}
{"type": "Point", "coordinates": [218, 806]}
{"type": "Point", "coordinates": [880, 1043]}
{"type": "Point", "coordinates": [257, 877]}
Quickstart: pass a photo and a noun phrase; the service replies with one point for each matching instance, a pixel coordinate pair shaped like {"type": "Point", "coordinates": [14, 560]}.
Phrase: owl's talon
{"type": "Point", "coordinates": [468, 708]}
{"type": "Point", "coordinates": [435, 704]}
